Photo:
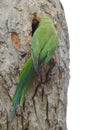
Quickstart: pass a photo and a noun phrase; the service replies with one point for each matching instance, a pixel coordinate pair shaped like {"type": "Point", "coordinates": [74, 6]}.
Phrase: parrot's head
{"type": "Point", "coordinates": [46, 20]}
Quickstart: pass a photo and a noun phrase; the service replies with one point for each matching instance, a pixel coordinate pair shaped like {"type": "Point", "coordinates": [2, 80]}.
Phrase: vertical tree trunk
{"type": "Point", "coordinates": [48, 113]}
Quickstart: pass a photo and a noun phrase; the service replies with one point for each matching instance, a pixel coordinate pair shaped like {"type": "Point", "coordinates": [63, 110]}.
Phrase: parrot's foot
{"type": "Point", "coordinates": [52, 63]}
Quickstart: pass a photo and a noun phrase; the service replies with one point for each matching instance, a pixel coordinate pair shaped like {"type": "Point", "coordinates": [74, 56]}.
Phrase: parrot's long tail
{"type": "Point", "coordinates": [26, 79]}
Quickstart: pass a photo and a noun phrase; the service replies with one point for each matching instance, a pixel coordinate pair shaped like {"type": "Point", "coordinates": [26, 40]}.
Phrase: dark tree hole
{"type": "Point", "coordinates": [35, 24]}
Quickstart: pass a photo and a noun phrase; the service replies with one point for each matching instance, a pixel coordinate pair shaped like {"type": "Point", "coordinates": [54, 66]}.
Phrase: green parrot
{"type": "Point", "coordinates": [43, 45]}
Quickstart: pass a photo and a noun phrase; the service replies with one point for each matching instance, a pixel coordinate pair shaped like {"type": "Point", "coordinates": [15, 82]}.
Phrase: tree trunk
{"type": "Point", "coordinates": [47, 112]}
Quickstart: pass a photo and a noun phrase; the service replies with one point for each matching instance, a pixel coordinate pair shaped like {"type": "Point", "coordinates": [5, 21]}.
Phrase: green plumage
{"type": "Point", "coordinates": [43, 45]}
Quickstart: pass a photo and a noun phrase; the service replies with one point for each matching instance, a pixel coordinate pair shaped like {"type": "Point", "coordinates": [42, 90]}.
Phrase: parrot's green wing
{"type": "Point", "coordinates": [48, 51]}
{"type": "Point", "coordinates": [38, 42]}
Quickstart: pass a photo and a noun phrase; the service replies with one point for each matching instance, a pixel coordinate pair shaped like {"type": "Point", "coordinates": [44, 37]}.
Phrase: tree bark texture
{"type": "Point", "coordinates": [47, 112]}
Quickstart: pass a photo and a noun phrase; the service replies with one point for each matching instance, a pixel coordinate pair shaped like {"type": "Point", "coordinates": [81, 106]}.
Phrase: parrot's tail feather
{"type": "Point", "coordinates": [25, 80]}
{"type": "Point", "coordinates": [23, 75]}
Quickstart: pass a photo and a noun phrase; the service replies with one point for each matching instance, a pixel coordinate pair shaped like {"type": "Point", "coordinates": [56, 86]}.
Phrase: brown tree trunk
{"type": "Point", "coordinates": [15, 36]}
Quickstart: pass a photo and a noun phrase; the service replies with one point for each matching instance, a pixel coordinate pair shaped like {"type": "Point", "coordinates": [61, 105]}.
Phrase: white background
{"type": "Point", "coordinates": [82, 20]}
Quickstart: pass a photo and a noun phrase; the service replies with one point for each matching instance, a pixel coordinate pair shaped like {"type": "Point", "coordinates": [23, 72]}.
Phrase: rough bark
{"type": "Point", "coordinates": [15, 36]}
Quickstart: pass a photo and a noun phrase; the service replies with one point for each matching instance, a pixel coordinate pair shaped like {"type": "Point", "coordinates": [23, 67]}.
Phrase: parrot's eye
{"type": "Point", "coordinates": [35, 24]}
